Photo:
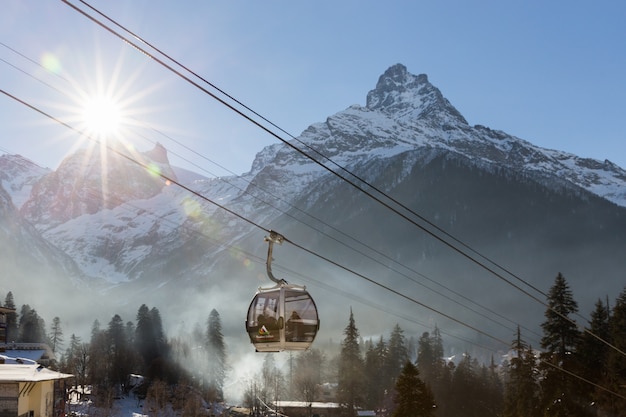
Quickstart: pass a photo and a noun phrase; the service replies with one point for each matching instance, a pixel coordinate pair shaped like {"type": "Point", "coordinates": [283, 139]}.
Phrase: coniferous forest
{"type": "Point", "coordinates": [579, 369]}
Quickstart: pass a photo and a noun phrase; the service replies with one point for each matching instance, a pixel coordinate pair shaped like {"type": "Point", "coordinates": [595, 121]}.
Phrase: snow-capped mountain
{"type": "Point", "coordinates": [17, 176]}
{"type": "Point", "coordinates": [405, 112]}
{"type": "Point", "coordinates": [535, 210]}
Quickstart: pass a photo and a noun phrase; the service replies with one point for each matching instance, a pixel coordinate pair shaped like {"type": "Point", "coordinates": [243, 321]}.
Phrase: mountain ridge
{"type": "Point", "coordinates": [143, 236]}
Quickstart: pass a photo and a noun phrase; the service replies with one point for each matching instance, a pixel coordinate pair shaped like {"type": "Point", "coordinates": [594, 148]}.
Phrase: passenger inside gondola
{"type": "Point", "coordinates": [268, 319]}
{"type": "Point", "coordinates": [293, 329]}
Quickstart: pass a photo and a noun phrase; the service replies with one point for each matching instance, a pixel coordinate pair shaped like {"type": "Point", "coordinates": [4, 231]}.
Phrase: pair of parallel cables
{"type": "Point", "coordinates": [447, 239]}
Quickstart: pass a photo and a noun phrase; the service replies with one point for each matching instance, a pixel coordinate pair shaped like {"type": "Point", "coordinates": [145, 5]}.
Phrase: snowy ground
{"type": "Point", "coordinates": [123, 407]}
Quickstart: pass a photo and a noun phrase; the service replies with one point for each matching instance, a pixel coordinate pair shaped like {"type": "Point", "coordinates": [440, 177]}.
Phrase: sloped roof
{"type": "Point", "coordinates": [29, 373]}
{"type": "Point", "coordinates": [305, 404]}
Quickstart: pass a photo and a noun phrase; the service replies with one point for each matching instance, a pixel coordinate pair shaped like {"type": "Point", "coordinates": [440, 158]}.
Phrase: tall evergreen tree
{"type": "Point", "coordinates": [99, 365]}
{"type": "Point", "coordinates": [426, 359]}
{"type": "Point", "coordinates": [434, 370]}
{"type": "Point", "coordinates": [592, 352]}
{"type": "Point", "coordinates": [521, 395]}
{"type": "Point", "coordinates": [72, 360]}
{"type": "Point", "coordinates": [351, 372]}
{"type": "Point", "coordinates": [464, 387]}
{"type": "Point", "coordinates": [32, 328]}
{"type": "Point", "coordinates": [374, 374]}
{"type": "Point", "coordinates": [56, 334]}
{"type": "Point", "coordinates": [120, 351]}
{"type": "Point", "coordinates": [11, 332]}
{"type": "Point", "coordinates": [397, 356]}
{"type": "Point", "coordinates": [150, 341]}
{"type": "Point", "coordinates": [615, 376]}
{"type": "Point", "coordinates": [560, 396]}
{"type": "Point", "coordinates": [413, 398]}
{"type": "Point", "coordinates": [217, 356]}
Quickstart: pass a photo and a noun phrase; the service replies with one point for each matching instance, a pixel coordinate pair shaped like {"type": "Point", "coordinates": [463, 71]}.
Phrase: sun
{"type": "Point", "coordinates": [102, 116]}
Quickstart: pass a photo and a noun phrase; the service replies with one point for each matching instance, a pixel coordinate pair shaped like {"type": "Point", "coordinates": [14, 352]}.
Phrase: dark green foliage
{"type": "Point", "coordinates": [374, 374]}
{"type": "Point", "coordinates": [521, 392]}
{"type": "Point", "coordinates": [150, 341]}
{"type": "Point", "coordinates": [592, 351]}
{"type": "Point", "coordinates": [412, 398]}
{"type": "Point", "coordinates": [32, 328]}
{"type": "Point", "coordinates": [614, 377]}
{"type": "Point", "coordinates": [216, 350]}
{"type": "Point", "coordinates": [561, 392]}
{"type": "Point", "coordinates": [120, 351]}
{"type": "Point", "coordinates": [560, 332]}
{"type": "Point", "coordinates": [56, 335]}
{"type": "Point", "coordinates": [11, 332]}
{"type": "Point", "coordinates": [351, 372]}
{"type": "Point", "coordinates": [396, 357]}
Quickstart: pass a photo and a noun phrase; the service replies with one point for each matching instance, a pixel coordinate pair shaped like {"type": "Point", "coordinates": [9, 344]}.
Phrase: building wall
{"type": "Point", "coordinates": [38, 399]}
{"type": "Point", "coordinates": [8, 399]}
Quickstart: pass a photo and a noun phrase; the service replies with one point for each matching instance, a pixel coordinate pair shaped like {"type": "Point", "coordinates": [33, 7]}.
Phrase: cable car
{"type": "Point", "coordinates": [282, 317]}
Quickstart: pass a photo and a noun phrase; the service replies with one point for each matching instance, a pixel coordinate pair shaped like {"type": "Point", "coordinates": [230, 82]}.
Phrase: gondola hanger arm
{"type": "Point", "coordinates": [274, 237]}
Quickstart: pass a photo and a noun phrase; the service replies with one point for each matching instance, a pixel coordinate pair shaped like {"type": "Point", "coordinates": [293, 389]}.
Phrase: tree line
{"type": "Point", "coordinates": [174, 370]}
{"type": "Point", "coordinates": [576, 371]}
{"type": "Point", "coordinates": [579, 371]}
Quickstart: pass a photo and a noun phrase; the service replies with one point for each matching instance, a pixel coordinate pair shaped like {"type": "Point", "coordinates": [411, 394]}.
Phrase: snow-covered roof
{"type": "Point", "coordinates": [29, 373]}
{"type": "Point", "coordinates": [28, 354]}
{"type": "Point", "coordinates": [305, 404]}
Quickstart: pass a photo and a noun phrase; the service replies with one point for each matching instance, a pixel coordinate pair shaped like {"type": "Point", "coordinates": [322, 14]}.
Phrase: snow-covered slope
{"type": "Point", "coordinates": [121, 223]}
{"type": "Point", "coordinates": [405, 112]}
{"type": "Point", "coordinates": [17, 176]}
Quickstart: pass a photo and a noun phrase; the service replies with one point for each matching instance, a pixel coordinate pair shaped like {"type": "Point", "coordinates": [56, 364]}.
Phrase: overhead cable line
{"type": "Point", "coordinates": [488, 317]}
{"type": "Point", "coordinates": [311, 252]}
{"type": "Point", "coordinates": [345, 170]}
{"type": "Point", "coordinates": [246, 219]}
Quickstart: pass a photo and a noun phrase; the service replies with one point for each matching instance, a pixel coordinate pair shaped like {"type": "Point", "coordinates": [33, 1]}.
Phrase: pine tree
{"type": "Point", "coordinates": [31, 326]}
{"type": "Point", "coordinates": [426, 359]}
{"type": "Point", "coordinates": [521, 393]}
{"type": "Point", "coordinates": [396, 357]}
{"type": "Point", "coordinates": [559, 341]}
{"type": "Point", "coordinates": [413, 398]}
{"type": "Point", "coordinates": [150, 341]}
{"type": "Point", "coordinates": [120, 351]}
{"type": "Point", "coordinates": [351, 372]}
{"type": "Point", "coordinates": [72, 357]}
{"type": "Point", "coordinates": [374, 361]}
{"type": "Point", "coordinates": [99, 365]}
{"type": "Point", "coordinates": [12, 317]}
{"type": "Point", "coordinates": [615, 376]}
{"type": "Point", "coordinates": [217, 356]}
{"type": "Point", "coordinates": [592, 352]}
{"type": "Point", "coordinates": [56, 334]}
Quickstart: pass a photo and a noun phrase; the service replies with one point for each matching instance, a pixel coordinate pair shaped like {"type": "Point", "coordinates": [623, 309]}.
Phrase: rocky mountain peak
{"type": "Point", "coordinates": [158, 154]}
{"type": "Point", "coordinates": [93, 179]}
{"type": "Point", "coordinates": [405, 95]}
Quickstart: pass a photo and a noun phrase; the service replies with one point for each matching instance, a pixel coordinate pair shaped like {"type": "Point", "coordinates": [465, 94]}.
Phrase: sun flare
{"type": "Point", "coordinates": [102, 116]}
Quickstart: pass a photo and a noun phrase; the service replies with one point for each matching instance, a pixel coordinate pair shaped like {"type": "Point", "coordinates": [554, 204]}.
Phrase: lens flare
{"type": "Point", "coordinates": [51, 63]}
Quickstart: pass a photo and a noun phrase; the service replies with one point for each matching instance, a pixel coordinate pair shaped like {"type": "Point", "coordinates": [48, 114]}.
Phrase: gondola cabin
{"type": "Point", "coordinates": [280, 318]}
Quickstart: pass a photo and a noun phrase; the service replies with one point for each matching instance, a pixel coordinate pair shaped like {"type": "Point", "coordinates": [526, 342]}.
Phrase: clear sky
{"type": "Point", "coordinates": [552, 73]}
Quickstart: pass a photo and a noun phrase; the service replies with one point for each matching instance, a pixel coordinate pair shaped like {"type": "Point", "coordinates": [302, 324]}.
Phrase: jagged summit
{"type": "Point", "coordinates": [405, 95]}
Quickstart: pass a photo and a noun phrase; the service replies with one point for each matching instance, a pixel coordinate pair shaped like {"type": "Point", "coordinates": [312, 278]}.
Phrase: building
{"type": "Point", "coordinates": [3, 324]}
{"type": "Point", "coordinates": [307, 409]}
{"type": "Point", "coordinates": [28, 352]}
{"type": "Point", "coordinates": [27, 388]}
{"type": "Point", "coordinates": [30, 390]}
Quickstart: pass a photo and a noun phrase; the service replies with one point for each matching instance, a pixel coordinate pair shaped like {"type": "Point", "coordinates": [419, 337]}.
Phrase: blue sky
{"type": "Point", "coordinates": [552, 73]}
